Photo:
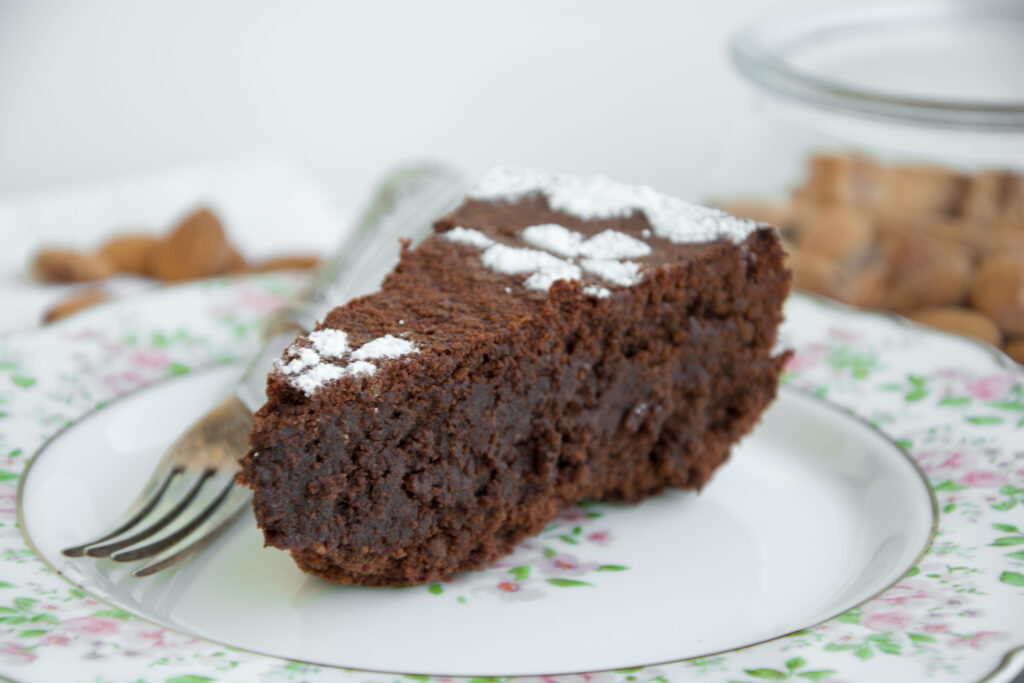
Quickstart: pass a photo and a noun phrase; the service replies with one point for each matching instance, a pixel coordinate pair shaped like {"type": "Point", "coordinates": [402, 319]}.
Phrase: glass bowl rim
{"type": "Point", "coordinates": [759, 55]}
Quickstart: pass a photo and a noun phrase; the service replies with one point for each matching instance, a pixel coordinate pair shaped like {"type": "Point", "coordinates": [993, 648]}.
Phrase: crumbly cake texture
{"type": "Point", "coordinates": [556, 339]}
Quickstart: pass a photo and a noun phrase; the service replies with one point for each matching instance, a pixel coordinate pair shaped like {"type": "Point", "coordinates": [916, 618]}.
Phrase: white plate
{"type": "Point", "coordinates": [815, 513]}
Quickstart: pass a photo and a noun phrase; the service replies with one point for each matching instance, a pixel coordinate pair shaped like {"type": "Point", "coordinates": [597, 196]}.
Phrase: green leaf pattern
{"type": "Point", "coordinates": [960, 417]}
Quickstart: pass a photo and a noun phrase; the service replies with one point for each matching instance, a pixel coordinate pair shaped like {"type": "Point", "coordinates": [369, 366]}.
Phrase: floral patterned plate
{"type": "Point", "coordinates": [828, 566]}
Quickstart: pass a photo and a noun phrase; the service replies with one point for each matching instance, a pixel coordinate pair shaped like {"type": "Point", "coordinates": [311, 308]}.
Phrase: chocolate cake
{"type": "Point", "coordinates": [556, 339]}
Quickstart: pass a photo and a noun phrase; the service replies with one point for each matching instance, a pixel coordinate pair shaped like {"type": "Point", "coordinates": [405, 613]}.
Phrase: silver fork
{"type": "Point", "coordinates": [191, 497]}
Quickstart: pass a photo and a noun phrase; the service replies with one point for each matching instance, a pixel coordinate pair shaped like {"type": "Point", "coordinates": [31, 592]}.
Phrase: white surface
{"type": "Point", "coordinates": [640, 91]}
{"type": "Point", "coordinates": [814, 514]}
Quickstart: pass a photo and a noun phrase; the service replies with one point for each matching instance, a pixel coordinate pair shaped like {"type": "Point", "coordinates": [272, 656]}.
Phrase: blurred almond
{"type": "Point", "coordinates": [839, 179]}
{"type": "Point", "coordinates": [867, 287]}
{"type": "Point", "coordinates": [68, 265]}
{"type": "Point", "coordinates": [910, 193]}
{"type": "Point", "coordinates": [129, 253]}
{"type": "Point", "coordinates": [286, 263]}
{"type": "Point", "coordinates": [983, 196]}
{"type": "Point", "coordinates": [74, 303]}
{"type": "Point", "coordinates": [959, 320]}
{"type": "Point", "coordinates": [196, 248]}
{"type": "Point", "coordinates": [815, 273]}
{"type": "Point", "coordinates": [925, 273]}
{"type": "Point", "coordinates": [773, 213]}
{"type": "Point", "coordinates": [1015, 349]}
{"type": "Point", "coordinates": [998, 290]}
{"type": "Point", "coordinates": [838, 232]}
{"type": "Point", "coordinates": [235, 263]}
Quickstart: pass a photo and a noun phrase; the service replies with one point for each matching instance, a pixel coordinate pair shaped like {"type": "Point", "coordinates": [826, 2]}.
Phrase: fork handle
{"type": "Point", "coordinates": [404, 206]}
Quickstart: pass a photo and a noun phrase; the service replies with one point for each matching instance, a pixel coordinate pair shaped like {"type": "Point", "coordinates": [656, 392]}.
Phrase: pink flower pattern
{"type": "Point", "coordinates": [975, 463]}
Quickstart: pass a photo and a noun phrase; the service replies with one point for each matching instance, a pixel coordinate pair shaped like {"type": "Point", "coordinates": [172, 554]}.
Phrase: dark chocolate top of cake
{"type": "Point", "coordinates": [521, 241]}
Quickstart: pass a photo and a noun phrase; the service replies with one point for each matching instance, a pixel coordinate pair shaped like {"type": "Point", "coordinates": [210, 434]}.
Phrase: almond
{"type": "Point", "coordinates": [925, 273]}
{"type": "Point", "coordinates": [235, 262]}
{"type": "Point", "coordinates": [1015, 349]}
{"type": "Point", "coordinates": [909, 193]}
{"type": "Point", "coordinates": [998, 290]}
{"type": "Point", "coordinates": [286, 263]}
{"type": "Point", "coordinates": [68, 265]}
{"type": "Point", "coordinates": [839, 232]}
{"type": "Point", "coordinates": [839, 179]}
{"type": "Point", "coordinates": [959, 320]}
{"type": "Point", "coordinates": [129, 253]}
{"type": "Point", "coordinates": [982, 198]}
{"type": "Point", "coordinates": [772, 213]}
{"type": "Point", "coordinates": [867, 287]}
{"type": "Point", "coordinates": [196, 248]}
{"type": "Point", "coordinates": [74, 303]}
{"type": "Point", "coordinates": [815, 273]}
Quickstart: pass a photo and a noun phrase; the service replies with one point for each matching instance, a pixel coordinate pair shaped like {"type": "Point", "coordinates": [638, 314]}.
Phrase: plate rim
{"type": "Point", "coordinates": [837, 410]}
{"type": "Point", "coordinates": [994, 358]}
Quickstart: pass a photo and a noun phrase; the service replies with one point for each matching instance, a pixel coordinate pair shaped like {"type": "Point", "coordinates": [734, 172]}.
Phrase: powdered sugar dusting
{"type": "Point", "coordinates": [614, 244]}
{"type": "Point", "coordinates": [543, 278]}
{"type": "Point", "coordinates": [311, 367]}
{"type": "Point", "coordinates": [360, 368]}
{"type": "Point", "coordinates": [554, 238]}
{"type": "Point", "coordinates": [544, 268]}
{"type": "Point", "coordinates": [624, 273]}
{"type": "Point", "coordinates": [598, 197]}
{"type": "Point", "coordinates": [330, 343]}
{"type": "Point", "coordinates": [314, 378]}
{"type": "Point", "coordinates": [468, 236]}
{"type": "Point", "coordinates": [306, 358]}
{"type": "Point", "coordinates": [596, 291]}
{"type": "Point", "coordinates": [387, 346]}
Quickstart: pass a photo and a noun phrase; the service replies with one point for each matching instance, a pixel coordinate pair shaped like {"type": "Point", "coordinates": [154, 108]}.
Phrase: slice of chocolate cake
{"type": "Point", "coordinates": [556, 339]}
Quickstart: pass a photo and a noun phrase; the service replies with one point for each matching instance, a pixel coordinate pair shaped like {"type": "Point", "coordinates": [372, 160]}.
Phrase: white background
{"type": "Point", "coordinates": [640, 90]}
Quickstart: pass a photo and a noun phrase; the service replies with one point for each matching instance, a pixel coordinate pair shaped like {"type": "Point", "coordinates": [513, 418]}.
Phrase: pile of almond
{"type": "Point", "coordinates": [196, 247]}
{"type": "Point", "coordinates": [942, 248]}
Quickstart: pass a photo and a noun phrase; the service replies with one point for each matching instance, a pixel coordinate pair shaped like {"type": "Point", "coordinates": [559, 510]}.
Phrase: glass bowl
{"type": "Point", "coordinates": [887, 143]}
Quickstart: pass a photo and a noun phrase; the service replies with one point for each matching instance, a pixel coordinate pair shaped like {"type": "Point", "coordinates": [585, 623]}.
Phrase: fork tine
{"type": "Point", "coordinates": [154, 500]}
{"type": "Point", "coordinates": [107, 549]}
{"type": "Point", "coordinates": [235, 510]}
{"type": "Point", "coordinates": [172, 538]}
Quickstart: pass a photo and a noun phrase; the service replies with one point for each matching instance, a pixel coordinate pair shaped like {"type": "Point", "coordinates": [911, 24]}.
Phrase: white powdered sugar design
{"type": "Point", "coordinates": [308, 370]}
{"type": "Point", "coordinates": [554, 238]}
{"type": "Point", "coordinates": [317, 376]}
{"type": "Point", "coordinates": [544, 268]}
{"type": "Point", "coordinates": [623, 273]}
{"type": "Point", "coordinates": [468, 236]}
{"type": "Point", "coordinates": [330, 343]}
{"type": "Point", "coordinates": [601, 256]}
{"type": "Point", "coordinates": [600, 197]}
{"type": "Point", "coordinates": [613, 244]}
{"type": "Point", "coordinates": [384, 347]}
{"type": "Point", "coordinates": [307, 358]}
